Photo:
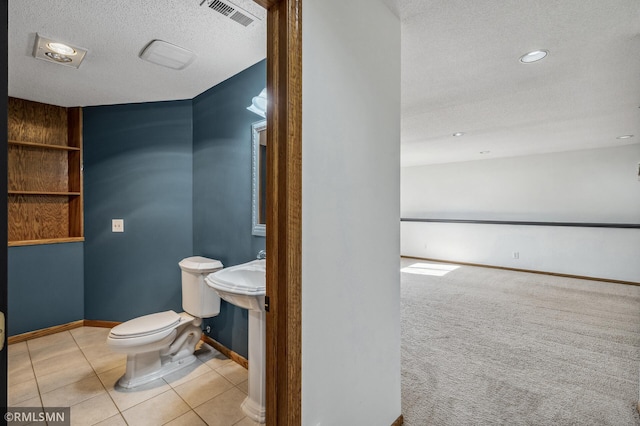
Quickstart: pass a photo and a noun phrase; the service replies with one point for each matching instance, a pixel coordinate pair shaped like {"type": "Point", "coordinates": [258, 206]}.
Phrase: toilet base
{"type": "Point", "coordinates": [170, 354]}
{"type": "Point", "coordinates": [166, 368]}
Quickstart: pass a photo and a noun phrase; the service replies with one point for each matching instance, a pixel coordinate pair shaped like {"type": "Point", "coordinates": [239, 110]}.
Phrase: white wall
{"type": "Point", "coordinates": [599, 185]}
{"type": "Point", "coordinates": [350, 214]}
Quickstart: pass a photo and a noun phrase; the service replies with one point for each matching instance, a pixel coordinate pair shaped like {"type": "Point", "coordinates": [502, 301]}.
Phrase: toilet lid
{"type": "Point", "coordinates": [147, 324]}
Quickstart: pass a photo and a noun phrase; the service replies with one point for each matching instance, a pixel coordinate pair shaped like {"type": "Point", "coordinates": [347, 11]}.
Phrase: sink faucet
{"type": "Point", "coordinates": [262, 254]}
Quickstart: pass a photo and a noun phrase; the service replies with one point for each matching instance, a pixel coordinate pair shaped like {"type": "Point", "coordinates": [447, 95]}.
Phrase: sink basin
{"type": "Point", "coordinates": [242, 285]}
{"type": "Point", "coordinates": [245, 286]}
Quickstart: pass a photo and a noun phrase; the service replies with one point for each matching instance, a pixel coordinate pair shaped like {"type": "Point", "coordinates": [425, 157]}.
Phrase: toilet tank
{"type": "Point", "coordinates": [198, 299]}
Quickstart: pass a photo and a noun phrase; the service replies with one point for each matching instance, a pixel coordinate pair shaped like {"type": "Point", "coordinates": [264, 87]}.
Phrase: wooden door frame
{"type": "Point", "coordinates": [3, 205]}
{"type": "Point", "coordinates": [284, 212]}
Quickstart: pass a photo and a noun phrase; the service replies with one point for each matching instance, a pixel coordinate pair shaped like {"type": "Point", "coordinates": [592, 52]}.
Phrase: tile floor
{"type": "Point", "coordinates": [76, 369]}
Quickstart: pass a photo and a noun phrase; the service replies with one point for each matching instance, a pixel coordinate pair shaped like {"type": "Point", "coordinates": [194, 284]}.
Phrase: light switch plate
{"type": "Point", "coordinates": [117, 225]}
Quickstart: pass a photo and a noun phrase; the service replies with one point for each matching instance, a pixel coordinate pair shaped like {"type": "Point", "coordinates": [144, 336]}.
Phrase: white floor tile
{"type": "Point", "coordinates": [190, 372]}
{"type": "Point", "coordinates": [157, 410]}
{"type": "Point", "coordinates": [64, 337]}
{"type": "Point", "coordinates": [76, 368]}
{"type": "Point", "coordinates": [223, 410]}
{"type": "Point", "coordinates": [109, 361]}
{"type": "Point", "coordinates": [63, 377]}
{"type": "Point", "coordinates": [116, 420]}
{"type": "Point", "coordinates": [190, 418]}
{"type": "Point", "coordinates": [233, 372]}
{"type": "Point", "coordinates": [74, 393]}
{"type": "Point", "coordinates": [247, 422]}
{"type": "Point", "coordinates": [127, 398]}
{"type": "Point", "coordinates": [93, 410]}
{"type": "Point", "coordinates": [203, 388]}
{"type": "Point", "coordinates": [244, 387]}
{"type": "Point", "coordinates": [211, 356]}
{"type": "Point", "coordinates": [23, 391]}
{"type": "Point", "coordinates": [70, 359]}
{"type": "Point", "coordinates": [20, 370]}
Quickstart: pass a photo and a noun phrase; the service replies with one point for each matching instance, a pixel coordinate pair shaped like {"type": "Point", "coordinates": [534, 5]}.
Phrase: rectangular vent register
{"type": "Point", "coordinates": [231, 11]}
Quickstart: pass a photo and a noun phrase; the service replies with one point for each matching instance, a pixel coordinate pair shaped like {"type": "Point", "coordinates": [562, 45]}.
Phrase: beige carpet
{"type": "Point", "coordinates": [484, 346]}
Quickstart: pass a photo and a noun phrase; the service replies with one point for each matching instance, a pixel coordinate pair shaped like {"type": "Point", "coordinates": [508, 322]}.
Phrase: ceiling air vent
{"type": "Point", "coordinates": [231, 11]}
{"type": "Point", "coordinates": [218, 6]}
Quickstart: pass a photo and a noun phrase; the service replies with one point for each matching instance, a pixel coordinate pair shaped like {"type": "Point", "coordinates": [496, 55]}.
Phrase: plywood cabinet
{"type": "Point", "coordinates": [44, 173]}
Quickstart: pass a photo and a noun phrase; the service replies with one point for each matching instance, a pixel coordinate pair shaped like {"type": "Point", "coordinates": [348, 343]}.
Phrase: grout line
{"type": "Point", "coordinates": [98, 377]}
{"type": "Point", "coordinates": [120, 412]}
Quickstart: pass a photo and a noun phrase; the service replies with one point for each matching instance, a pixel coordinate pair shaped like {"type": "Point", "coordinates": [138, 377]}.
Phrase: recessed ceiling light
{"type": "Point", "coordinates": [458, 134]}
{"type": "Point", "coordinates": [58, 57]}
{"type": "Point", "coordinates": [625, 137]}
{"type": "Point", "coordinates": [61, 48]}
{"type": "Point", "coordinates": [534, 56]}
{"type": "Point", "coordinates": [485, 152]}
{"type": "Point", "coordinates": [58, 53]}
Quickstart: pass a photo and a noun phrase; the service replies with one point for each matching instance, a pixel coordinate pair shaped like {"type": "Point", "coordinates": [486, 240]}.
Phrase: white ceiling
{"type": "Point", "coordinates": [115, 32]}
{"type": "Point", "coordinates": [461, 73]}
{"type": "Point", "coordinates": [460, 68]}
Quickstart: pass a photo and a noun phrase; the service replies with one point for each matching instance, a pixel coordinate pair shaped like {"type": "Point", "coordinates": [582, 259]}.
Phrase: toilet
{"type": "Point", "coordinates": [161, 343]}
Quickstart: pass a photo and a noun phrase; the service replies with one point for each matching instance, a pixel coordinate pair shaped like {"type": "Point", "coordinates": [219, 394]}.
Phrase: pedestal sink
{"type": "Point", "coordinates": [244, 286]}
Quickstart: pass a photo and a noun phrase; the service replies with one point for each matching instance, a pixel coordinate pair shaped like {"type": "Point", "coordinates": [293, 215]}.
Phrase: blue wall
{"type": "Point", "coordinates": [222, 187]}
{"type": "Point", "coordinates": [138, 167]}
{"type": "Point", "coordinates": [45, 286]}
{"type": "Point", "coordinates": [179, 174]}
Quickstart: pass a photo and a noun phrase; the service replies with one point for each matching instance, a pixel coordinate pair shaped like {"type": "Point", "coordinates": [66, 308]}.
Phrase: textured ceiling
{"type": "Point", "coordinates": [460, 68]}
{"type": "Point", "coordinates": [461, 73]}
{"type": "Point", "coordinates": [114, 32]}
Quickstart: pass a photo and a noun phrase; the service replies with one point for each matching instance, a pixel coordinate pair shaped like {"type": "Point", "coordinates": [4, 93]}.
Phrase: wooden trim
{"type": "Point", "coordinates": [100, 323]}
{"type": "Point", "coordinates": [526, 223]}
{"type": "Point", "coordinates": [48, 241]}
{"type": "Point", "coordinates": [43, 193]}
{"type": "Point", "coordinates": [76, 181]}
{"type": "Point", "coordinates": [44, 145]}
{"type": "Point", "coordinates": [504, 268]}
{"type": "Point", "coordinates": [234, 356]}
{"type": "Point", "coordinates": [266, 4]}
{"type": "Point", "coordinates": [399, 421]}
{"type": "Point", "coordinates": [284, 213]}
{"type": "Point", "coordinates": [44, 332]}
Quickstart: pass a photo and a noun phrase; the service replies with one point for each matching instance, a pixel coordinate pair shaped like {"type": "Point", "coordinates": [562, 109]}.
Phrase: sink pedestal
{"type": "Point", "coordinates": [244, 286]}
{"type": "Point", "coordinates": [254, 404]}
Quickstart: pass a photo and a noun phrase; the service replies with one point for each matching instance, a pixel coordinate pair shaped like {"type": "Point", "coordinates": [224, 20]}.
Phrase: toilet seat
{"type": "Point", "coordinates": [151, 331]}
{"type": "Point", "coordinates": [146, 325]}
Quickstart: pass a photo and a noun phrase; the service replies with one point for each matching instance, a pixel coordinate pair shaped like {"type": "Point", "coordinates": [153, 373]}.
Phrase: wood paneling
{"type": "Point", "coordinates": [37, 217]}
{"type": "Point", "coordinates": [44, 173]}
{"type": "Point", "coordinates": [284, 213]}
{"type": "Point", "coordinates": [37, 169]}
{"type": "Point", "coordinates": [35, 122]}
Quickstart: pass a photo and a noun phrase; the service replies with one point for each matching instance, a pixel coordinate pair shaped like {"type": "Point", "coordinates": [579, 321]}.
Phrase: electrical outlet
{"type": "Point", "coordinates": [516, 255]}
{"type": "Point", "coordinates": [117, 225]}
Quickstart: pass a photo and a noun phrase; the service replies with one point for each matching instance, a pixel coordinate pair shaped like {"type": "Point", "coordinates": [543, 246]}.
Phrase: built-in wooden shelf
{"type": "Point", "coordinates": [71, 194]}
{"type": "Point", "coordinates": [45, 241]}
{"type": "Point", "coordinates": [45, 146]}
{"type": "Point", "coordinates": [44, 173]}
